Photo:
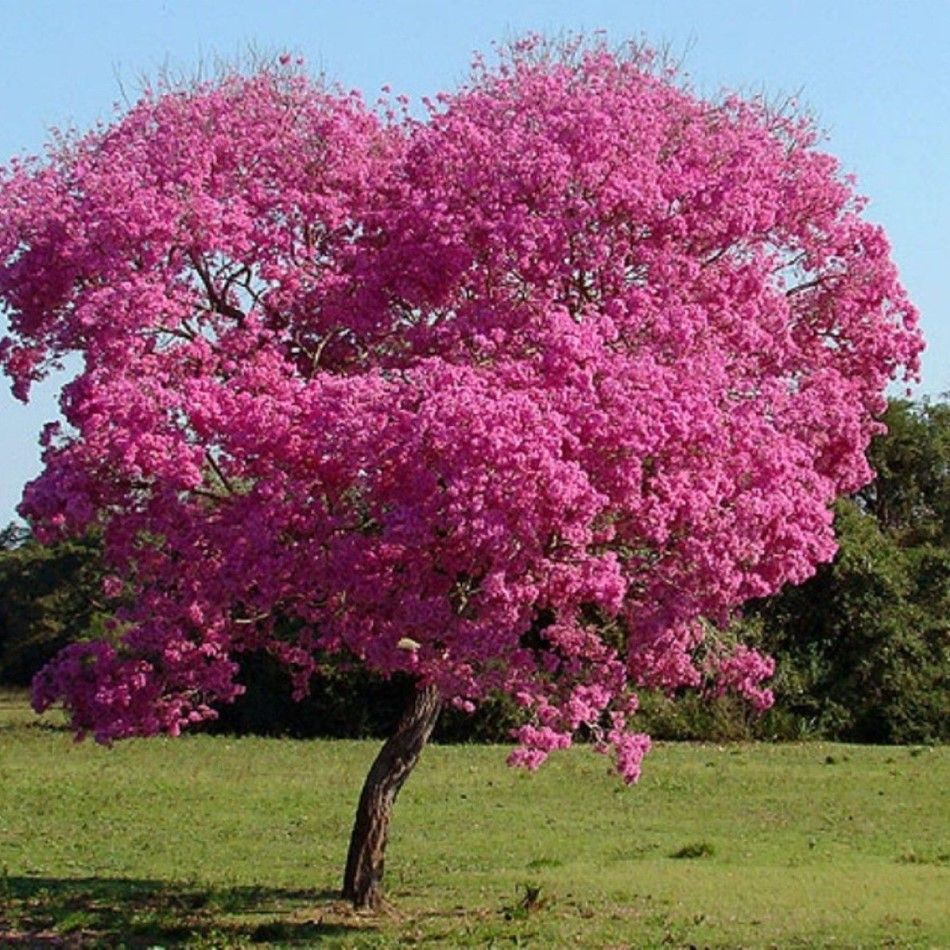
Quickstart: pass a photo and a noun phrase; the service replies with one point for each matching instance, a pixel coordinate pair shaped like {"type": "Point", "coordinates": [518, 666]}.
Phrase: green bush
{"type": "Point", "coordinates": [863, 647]}
{"type": "Point", "coordinates": [49, 597]}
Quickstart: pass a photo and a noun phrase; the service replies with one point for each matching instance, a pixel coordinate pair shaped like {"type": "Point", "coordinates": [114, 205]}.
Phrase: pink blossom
{"type": "Point", "coordinates": [545, 385]}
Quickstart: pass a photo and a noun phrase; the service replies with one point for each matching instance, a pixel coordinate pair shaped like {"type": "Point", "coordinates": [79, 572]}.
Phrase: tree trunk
{"type": "Point", "coordinates": [362, 880]}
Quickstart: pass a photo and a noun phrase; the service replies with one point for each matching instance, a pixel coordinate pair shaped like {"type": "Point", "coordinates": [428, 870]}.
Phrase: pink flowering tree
{"type": "Point", "coordinates": [525, 397]}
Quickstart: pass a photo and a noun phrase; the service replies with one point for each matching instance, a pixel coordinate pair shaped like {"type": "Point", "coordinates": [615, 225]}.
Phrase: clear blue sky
{"type": "Point", "coordinates": [876, 73]}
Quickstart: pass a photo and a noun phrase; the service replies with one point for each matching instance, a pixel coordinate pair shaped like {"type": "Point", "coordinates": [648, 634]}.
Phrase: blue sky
{"type": "Point", "coordinates": [876, 73]}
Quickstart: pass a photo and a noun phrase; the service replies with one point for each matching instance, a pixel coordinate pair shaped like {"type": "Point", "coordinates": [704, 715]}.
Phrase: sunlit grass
{"type": "Point", "coordinates": [225, 842]}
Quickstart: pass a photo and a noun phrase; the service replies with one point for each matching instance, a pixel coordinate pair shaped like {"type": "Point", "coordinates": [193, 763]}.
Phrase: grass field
{"type": "Point", "coordinates": [214, 841]}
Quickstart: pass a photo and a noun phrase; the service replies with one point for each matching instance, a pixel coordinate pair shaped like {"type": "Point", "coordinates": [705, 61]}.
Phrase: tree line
{"type": "Point", "coordinates": [862, 648]}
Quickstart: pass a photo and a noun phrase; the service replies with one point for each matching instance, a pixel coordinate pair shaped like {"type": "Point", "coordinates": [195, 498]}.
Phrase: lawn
{"type": "Point", "coordinates": [214, 841]}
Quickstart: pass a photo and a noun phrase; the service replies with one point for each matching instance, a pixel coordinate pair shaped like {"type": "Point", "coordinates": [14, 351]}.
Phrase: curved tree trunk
{"type": "Point", "coordinates": [362, 880]}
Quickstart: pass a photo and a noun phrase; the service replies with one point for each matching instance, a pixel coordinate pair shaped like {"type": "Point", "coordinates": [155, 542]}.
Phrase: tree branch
{"type": "Point", "coordinates": [217, 471]}
{"type": "Point", "coordinates": [217, 302]}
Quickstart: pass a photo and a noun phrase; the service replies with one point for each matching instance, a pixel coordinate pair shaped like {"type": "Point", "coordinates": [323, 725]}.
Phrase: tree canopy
{"type": "Point", "coordinates": [526, 396]}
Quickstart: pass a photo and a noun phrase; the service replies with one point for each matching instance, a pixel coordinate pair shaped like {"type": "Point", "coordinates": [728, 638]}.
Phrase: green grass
{"type": "Point", "coordinates": [214, 841]}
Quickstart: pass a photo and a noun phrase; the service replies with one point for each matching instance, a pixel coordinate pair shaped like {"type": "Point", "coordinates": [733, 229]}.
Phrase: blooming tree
{"type": "Point", "coordinates": [527, 396]}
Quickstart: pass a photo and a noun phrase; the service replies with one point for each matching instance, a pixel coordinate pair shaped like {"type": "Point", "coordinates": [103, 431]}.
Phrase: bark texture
{"type": "Point", "coordinates": [362, 880]}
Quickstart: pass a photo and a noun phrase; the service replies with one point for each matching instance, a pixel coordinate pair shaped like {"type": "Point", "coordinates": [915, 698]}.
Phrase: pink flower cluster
{"type": "Point", "coordinates": [521, 397]}
{"type": "Point", "coordinates": [743, 672]}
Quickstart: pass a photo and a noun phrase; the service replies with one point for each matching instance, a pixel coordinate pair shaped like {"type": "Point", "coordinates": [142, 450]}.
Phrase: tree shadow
{"type": "Point", "coordinates": [112, 912]}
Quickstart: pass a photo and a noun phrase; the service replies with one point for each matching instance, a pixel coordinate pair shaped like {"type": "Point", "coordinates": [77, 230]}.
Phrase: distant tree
{"type": "Point", "coordinates": [865, 644]}
{"type": "Point", "coordinates": [50, 597]}
{"type": "Point", "coordinates": [527, 397]}
{"type": "Point", "coordinates": [910, 495]}
{"type": "Point", "coordinates": [13, 535]}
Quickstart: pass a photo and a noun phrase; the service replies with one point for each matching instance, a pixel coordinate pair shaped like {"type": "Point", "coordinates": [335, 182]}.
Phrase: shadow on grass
{"type": "Point", "coordinates": [33, 725]}
{"type": "Point", "coordinates": [106, 912]}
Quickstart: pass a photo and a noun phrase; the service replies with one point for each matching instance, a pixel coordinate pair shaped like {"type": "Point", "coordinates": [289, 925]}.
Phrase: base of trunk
{"type": "Point", "coordinates": [362, 880]}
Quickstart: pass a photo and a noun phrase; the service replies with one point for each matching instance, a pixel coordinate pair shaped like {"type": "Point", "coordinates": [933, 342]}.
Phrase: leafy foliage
{"type": "Point", "coordinates": [866, 643]}
{"type": "Point", "coordinates": [910, 496]}
{"type": "Point", "coordinates": [50, 597]}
